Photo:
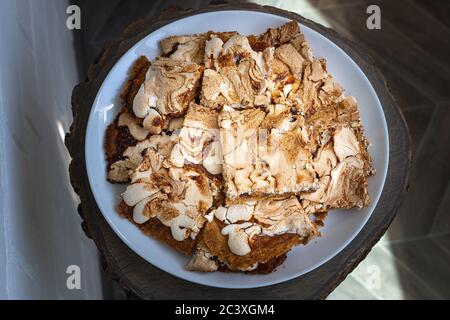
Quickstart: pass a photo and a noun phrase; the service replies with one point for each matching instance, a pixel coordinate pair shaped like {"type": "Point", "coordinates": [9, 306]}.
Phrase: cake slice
{"type": "Point", "coordinates": [190, 48]}
{"type": "Point", "coordinates": [342, 161]}
{"type": "Point", "coordinates": [177, 183]}
{"type": "Point", "coordinates": [126, 138]}
{"type": "Point", "coordinates": [169, 86]}
{"type": "Point", "coordinates": [235, 74]}
{"type": "Point", "coordinates": [198, 141]}
{"type": "Point", "coordinates": [242, 237]}
{"type": "Point", "coordinates": [265, 154]}
{"type": "Point", "coordinates": [120, 170]}
{"type": "Point", "coordinates": [253, 71]}
{"type": "Point", "coordinates": [177, 197]}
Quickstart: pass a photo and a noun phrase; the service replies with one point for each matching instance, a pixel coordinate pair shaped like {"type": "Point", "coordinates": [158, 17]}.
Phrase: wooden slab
{"type": "Point", "coordinates": [139, 278]}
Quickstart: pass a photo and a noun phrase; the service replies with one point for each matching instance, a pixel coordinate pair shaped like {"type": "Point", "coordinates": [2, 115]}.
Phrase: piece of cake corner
{"type": "Point", "coordinates": [265, 153]}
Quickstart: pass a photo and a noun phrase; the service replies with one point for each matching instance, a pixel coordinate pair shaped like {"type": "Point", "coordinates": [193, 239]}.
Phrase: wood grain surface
{"type": "Point", "coordinates": [138, 277]}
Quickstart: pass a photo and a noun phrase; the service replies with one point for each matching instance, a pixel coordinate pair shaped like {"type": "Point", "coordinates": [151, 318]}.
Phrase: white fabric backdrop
{"type": "Point", "coordinates": [40, 233]}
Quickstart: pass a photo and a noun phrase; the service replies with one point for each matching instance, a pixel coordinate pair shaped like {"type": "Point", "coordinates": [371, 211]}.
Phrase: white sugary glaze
{"type": "Point", "coordinates": [145, 98]}
{"type": "Point", "coordinates": [338, 165]}
{"type": "Point", "coordinates": [153, 121]}
{"type": "Point", "coordinates": [139, 214]}
{"type": "Point", "coordinates": [186, 50]}
{"type": "Point", "coordinates": [213, 164]}
{"type": "Point", "coordinates": [239, 44]}
{"type": "Point", "coordinates": [253, 68]}
{"type": "Point", "coordinates": [198, 143]}
{"type": "Point", "coordinates": [296, 224]}
{"type": "Point", "coordinates": [191, 145]}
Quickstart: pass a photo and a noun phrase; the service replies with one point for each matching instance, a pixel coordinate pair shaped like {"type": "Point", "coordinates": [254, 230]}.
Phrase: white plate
{"type": "Point", "coordinates": [341, 225]}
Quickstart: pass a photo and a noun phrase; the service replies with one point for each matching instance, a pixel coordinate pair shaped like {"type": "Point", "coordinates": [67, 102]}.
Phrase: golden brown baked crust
{"type": "Point", "coordinates": [118, 138]}
{"type": "Point", "coordinates": [264, 248]}
{"type": "Point", "coordinates": [136, 78]}
{"type": "Point", "coordinates": [157, 230]}
{"type": "Point", "coordinates": [262, 268]}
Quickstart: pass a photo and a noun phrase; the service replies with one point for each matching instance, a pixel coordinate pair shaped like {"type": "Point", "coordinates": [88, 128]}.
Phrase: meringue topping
{"type": "Point", "coordinates": [198, 141]}
{"type": "Point", "coordinates": [265, 153]}
{"type": "Point", "coordinates": [239, 236]}
{"type": "Point", "coordinates": [178, 197]}
{"type": "Point", "coordinates": [166, 91]}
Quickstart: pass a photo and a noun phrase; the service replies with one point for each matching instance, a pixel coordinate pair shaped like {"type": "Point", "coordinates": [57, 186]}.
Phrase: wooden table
{"type": "Point", "coordinates": [138, 277]}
